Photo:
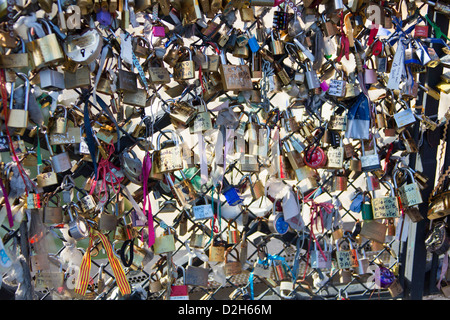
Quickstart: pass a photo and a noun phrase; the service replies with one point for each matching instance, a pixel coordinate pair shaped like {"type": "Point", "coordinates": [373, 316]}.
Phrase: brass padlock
{"type": "Point", "coordinates": [45, 51]}
{"type": "Point", "coordinates": [184, 70]}
{"type": "Point", "coordinates": [18, 118]}
{"type": "Point", "coordinates": [217, 251]}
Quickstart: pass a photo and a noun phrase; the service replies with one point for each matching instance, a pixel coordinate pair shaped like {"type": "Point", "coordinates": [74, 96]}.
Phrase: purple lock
{"type": "Point", "coordinates": [104, 17]}
{"type": "Point", "coordinates": [159, 31]}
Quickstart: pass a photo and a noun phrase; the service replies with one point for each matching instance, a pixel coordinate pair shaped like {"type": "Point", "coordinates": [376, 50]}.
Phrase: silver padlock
{"type": "Point", "coordinates": [61, 161]}
{"type": "Point", "coordinates": [78, 226]}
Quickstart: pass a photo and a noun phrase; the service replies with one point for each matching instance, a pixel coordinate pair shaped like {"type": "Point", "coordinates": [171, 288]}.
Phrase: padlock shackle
{"type": "Point", "coordinates": [24, 77]}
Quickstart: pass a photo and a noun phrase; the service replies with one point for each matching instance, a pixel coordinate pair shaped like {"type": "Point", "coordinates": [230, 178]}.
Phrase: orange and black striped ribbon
{"type": "Point", "coordinates": [85, 268]}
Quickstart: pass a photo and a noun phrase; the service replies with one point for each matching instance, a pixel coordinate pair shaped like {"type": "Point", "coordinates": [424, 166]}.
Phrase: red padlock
{"type": "Point", "coordinates": [315, 158]}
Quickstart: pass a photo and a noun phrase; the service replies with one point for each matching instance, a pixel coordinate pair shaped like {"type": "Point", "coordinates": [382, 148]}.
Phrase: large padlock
{"type": "Point", "coordinates": [18, 118]}
{"type": "Point", "coordinates": [386, 207]}
{"type": "Point", "coordinates": [409, 192]}
{"type": "Point", "coordinates": [45, 51]}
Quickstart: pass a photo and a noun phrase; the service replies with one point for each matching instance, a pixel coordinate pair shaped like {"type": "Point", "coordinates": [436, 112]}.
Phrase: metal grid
{"type": "Point", "coordinates": [329, 289]}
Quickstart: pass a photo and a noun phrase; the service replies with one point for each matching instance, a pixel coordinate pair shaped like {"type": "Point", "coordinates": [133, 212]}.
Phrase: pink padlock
{"type": "Point", "coordinates": [324, 86]}
{"type": "Point", "coordinates": [159, 31]}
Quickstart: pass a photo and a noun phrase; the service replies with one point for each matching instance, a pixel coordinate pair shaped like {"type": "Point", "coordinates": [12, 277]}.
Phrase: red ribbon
{"type": "Point", "coordinates": [103, 169]}
{"type": "Point", "coordinates": [316, 212]}
{"type": "Point", "coordinates": [345, 43]}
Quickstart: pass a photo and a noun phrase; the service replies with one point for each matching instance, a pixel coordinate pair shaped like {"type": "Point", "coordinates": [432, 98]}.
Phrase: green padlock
{"type": "Point", "coordinates": [366, 207]}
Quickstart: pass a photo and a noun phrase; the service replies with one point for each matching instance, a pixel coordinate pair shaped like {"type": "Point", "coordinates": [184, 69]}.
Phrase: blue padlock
{"type": "Point", "coordinates": [253, 44]}
{"type": "Point", "coordinates": [231, 194]}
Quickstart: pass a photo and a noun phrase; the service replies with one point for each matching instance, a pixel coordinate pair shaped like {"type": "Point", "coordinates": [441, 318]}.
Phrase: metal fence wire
{"type": "Point", "coordinates": [276, 260]}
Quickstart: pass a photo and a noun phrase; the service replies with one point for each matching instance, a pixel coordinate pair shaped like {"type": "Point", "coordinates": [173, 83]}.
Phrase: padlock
{"type": "Point", "coordinates": [58, 123]}
{"type": "Point", "coordinates": [370, 75]}
{"type": "Point", "coordinates": [164, 243]}
{"type": "Point", "coordinates": [373, 230]}
{"type": "Point", "coordinates": [295, 158]}
{"type": "Point", "coordinates": [135, 99]}
{"type": "Point", "coordinates": [321, 259]}
{"type": "Point", "coordinates": [203, 211]}
{"type": "Point", "coordinates": [335, 156]}
{"type": "Point", "coordinates": [46, 179]}
{"type": "Point", "coordinates": [107, 221]}
{"type": "Point", "coordinates": [61, 161]}
{"type": "Point", "coordinates": [155, 283]}
{"type": "Point", "coordinates": [53, 214]}
{"type": "Point", "coordinates": [169, 159]}
{"type": "Point", "coordinates": [312, 79]}
{"type": "Point", "coordinates": [45, 51]}
{"type": "Point", "coordinates": [338, 122]}
{"type": "Point", "coordinates": [131, 166]}
{"type": "Point", "coordinates": [18, 118]}
{"type": "Point", "coordinates": [179, 291]}
{"type": "Point", "coordinates": [409, 192]}
{"type": "Point", "coordinates": [196, 276]}
{"type": "Point", "coordinates": [232, 268]}
{"type": "Point", "coordinates": [337, 87]}
{"type": "Point", "coordinates": [87, 203]}
{"type": "Point", "coordinates": [370, 162]}
{"type": "Point", "coordinates": [343, 257]}
{"type": "Point", "coordinates": [78, 227]}
{"type": "Point", "coordinates": [15, 60]}
{"type": "Point", "coordinates": [340, 182]}
{"type": "Point", "coordinates": [184, 70]}
{"type": "Point", "coordinates": [386, 207]}
{"type": "Point", "coordinates": [366, 207]}
{"type": "Point", "coordinates": [217, 251]}
{"type": "Point", "coordinates": [182, 112]}
{"type": "Point", "coordinates": [173, 55]}
{"type": "Point", "coordinates": [141, 46]}
{"type": "Point", "coordinates": [408, 142]}
{"type": "Point", "coordinates": [235, 77]}
{"type": "Point", "coordinates": [126, 80]}
{"type": "Point", "coordinates": [233, 234]}
{"type": "Point", "coordinates": [197, 240]}
{"type": "Point", "coordinates": [328, 27]}
{"type": "Point", "coordinates": [315, 157]}
{"type": "Point", "coordinates": [276, 44]}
